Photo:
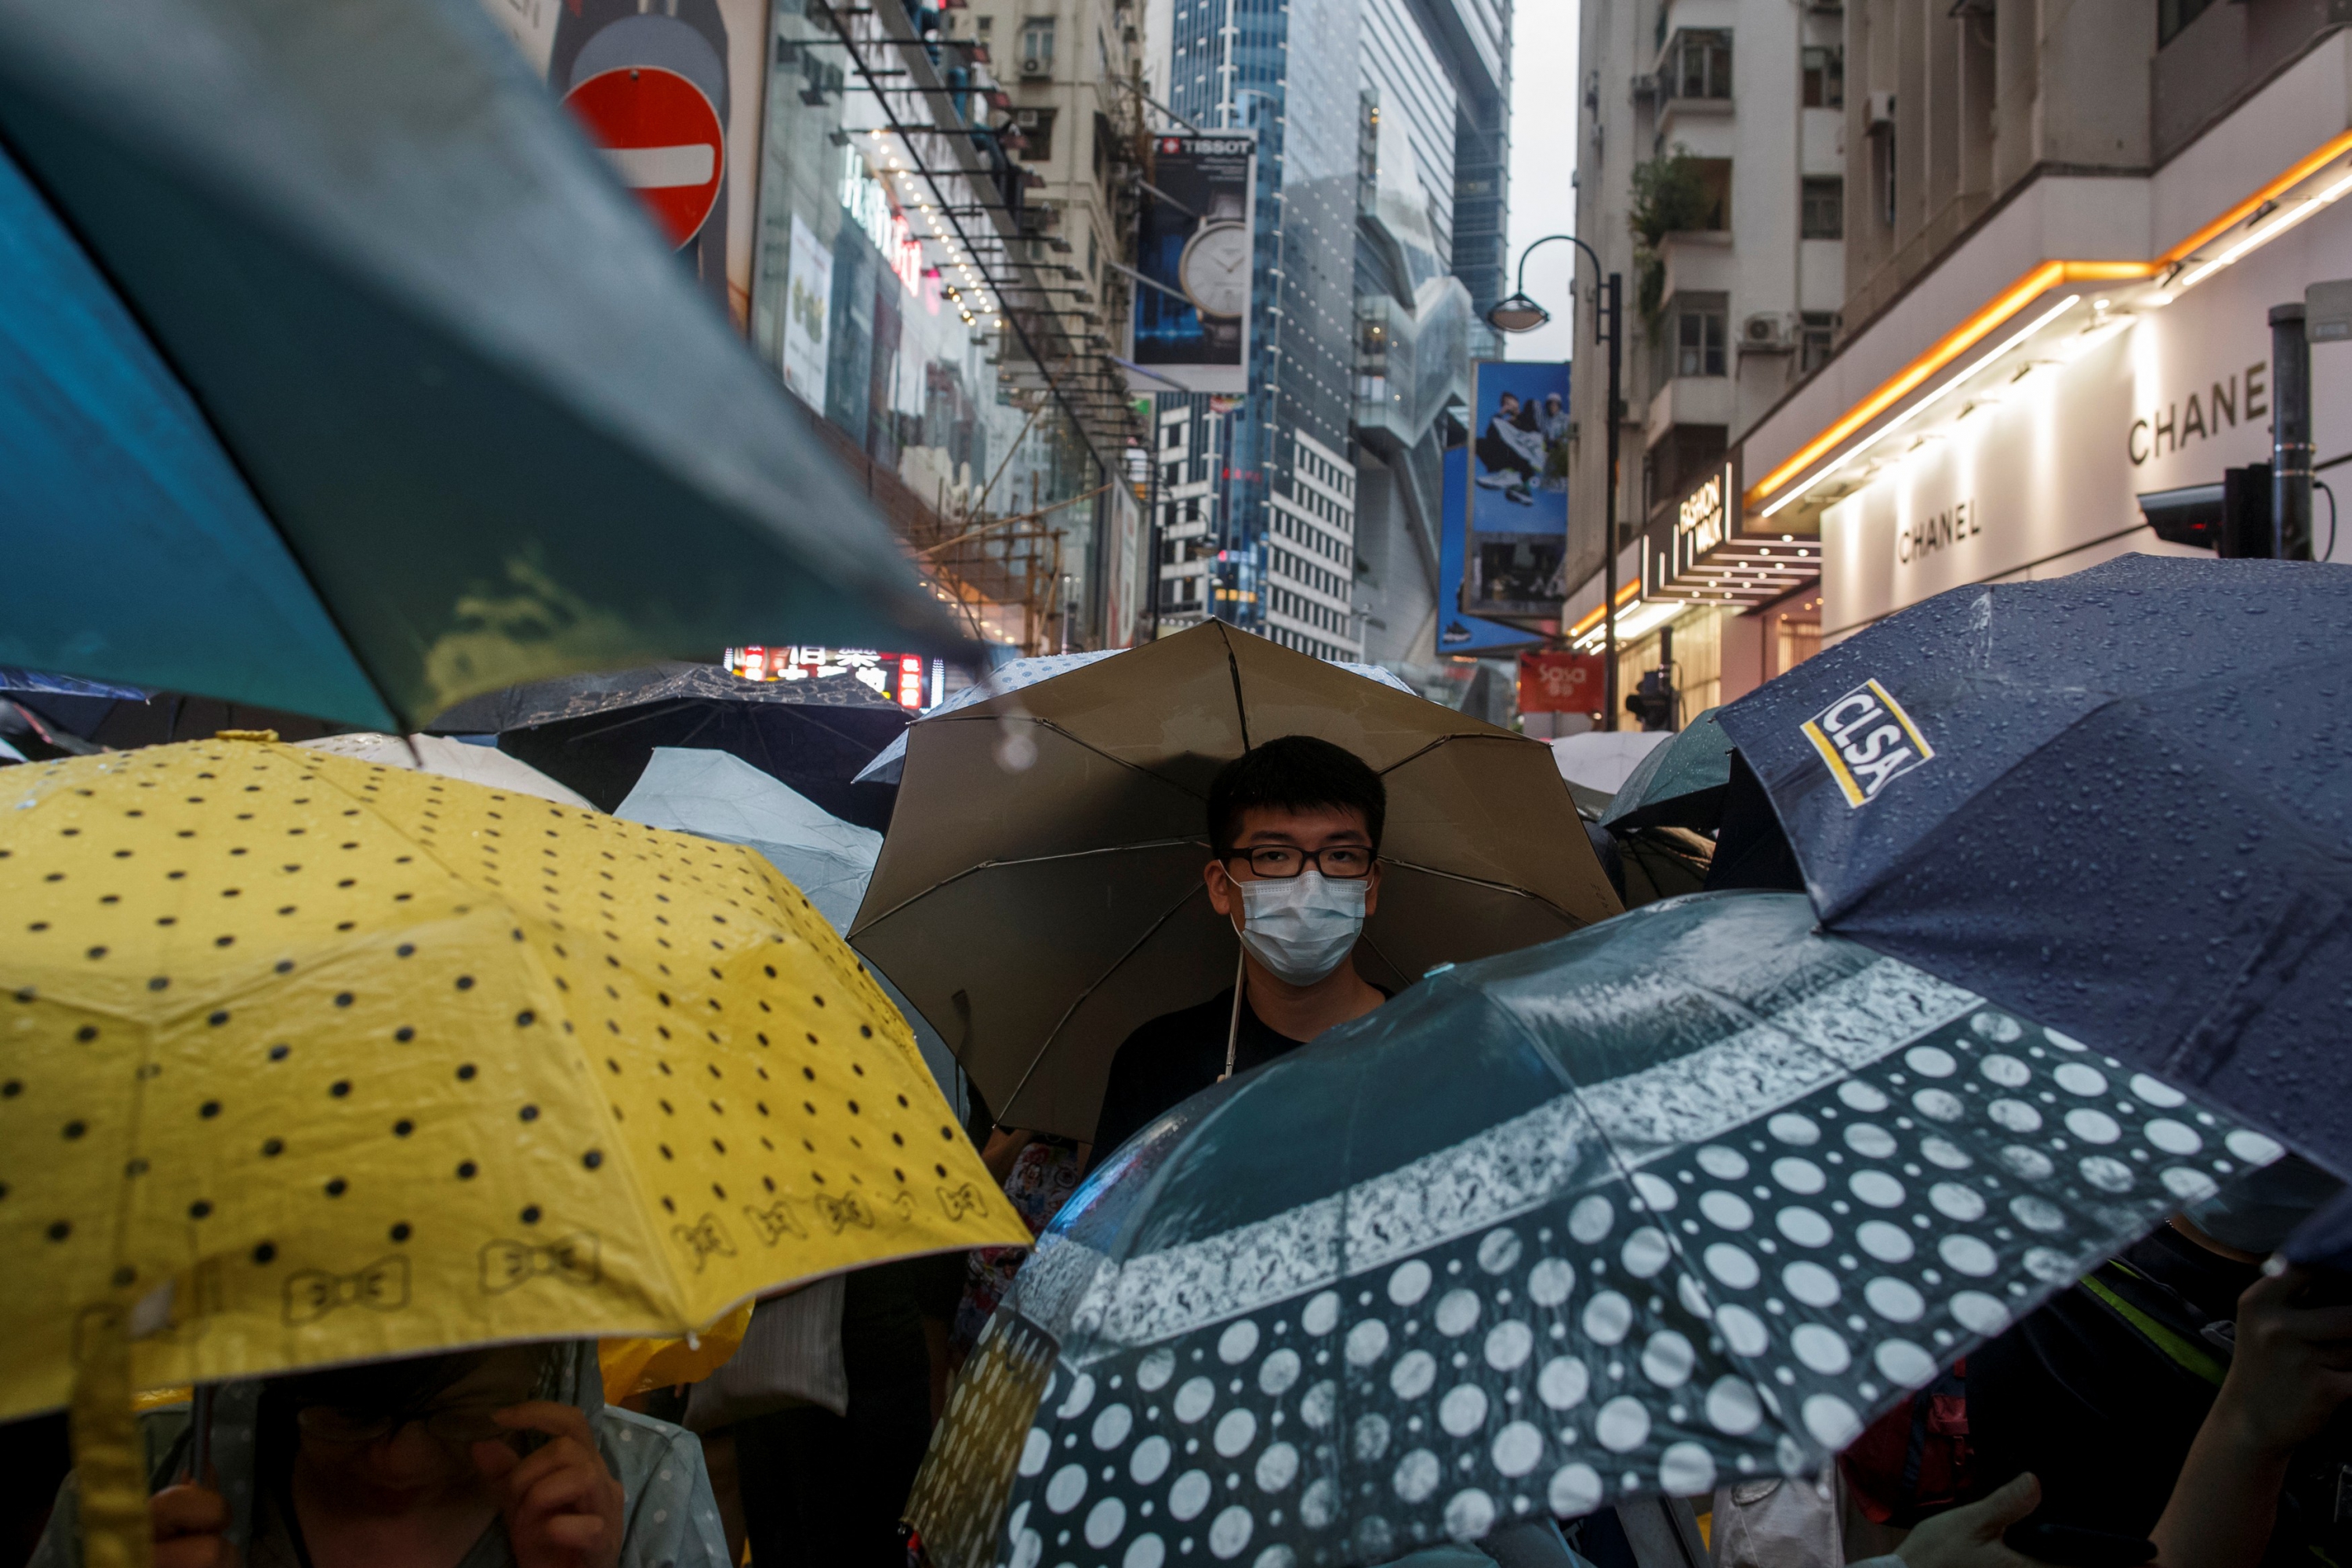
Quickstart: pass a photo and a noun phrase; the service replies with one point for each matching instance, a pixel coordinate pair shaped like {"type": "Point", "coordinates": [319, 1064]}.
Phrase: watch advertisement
{"type": "Point", "coordinates": [1192, 263]}
{"type": "Point", "coordinates": [1516, 494]}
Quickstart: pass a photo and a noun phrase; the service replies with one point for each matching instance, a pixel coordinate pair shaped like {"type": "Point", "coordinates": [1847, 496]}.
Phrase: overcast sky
{"type": "Point", "coordinates": [1543, 154]}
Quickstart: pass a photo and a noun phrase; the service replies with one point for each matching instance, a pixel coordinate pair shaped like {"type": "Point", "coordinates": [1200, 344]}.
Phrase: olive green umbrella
{"type": "Point", "coordinates": [1039, 894]}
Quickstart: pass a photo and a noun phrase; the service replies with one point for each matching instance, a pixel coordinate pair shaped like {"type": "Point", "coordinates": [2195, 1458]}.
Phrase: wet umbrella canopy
{"type": "Point", "coordinates": [1679, 784]}
{"type": "Point", "coordinates": [1683, 1198]}
{"type": "Point", "coordinates": [321, 1060]}
{"type": "Point", "coordinates": [2120, 802]}
{"type": "Point", "coordinates": [378, 392]}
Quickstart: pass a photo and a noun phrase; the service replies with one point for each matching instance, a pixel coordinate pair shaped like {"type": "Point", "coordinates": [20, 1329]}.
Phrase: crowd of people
{"type": "Point", "coordinates": [2189, 1391]}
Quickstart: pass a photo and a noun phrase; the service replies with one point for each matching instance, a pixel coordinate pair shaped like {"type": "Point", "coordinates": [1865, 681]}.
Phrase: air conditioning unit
{"type": "Point", "coordinates": [1033, 66]}
{"type": "Point", "coordinates": [1765, 333]}
{"type": "Point", "coordinates": [1646, 87]}
{"type": "Point", "coordinates": [1881, 107]}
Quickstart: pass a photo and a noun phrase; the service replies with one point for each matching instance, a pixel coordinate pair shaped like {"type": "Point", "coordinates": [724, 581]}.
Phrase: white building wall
{"type": "Point", "coordinates": [1311, 553]}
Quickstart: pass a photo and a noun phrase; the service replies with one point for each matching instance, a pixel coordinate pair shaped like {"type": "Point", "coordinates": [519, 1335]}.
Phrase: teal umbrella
{"type": "Point", "coordinates": [1680, 785]}
{"type": "Point", "coordinates": [1684, 1198]}
{"type": "Point", "coordinates": [339, 375]}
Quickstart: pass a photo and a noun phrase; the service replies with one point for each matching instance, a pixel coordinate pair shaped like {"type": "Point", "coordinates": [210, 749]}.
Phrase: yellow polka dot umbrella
{"type": "Point", "coordinates": [304, 1060]}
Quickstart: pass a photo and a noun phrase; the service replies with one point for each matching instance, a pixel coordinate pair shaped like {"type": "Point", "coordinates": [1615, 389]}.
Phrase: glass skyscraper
{"type": "Point", "coordinates": [1258, 494]}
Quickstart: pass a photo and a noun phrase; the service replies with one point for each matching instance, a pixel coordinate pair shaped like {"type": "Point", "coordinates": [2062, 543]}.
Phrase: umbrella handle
{"type": "Point", "coordinates": [200, 1430]}
{"type": "Point", "coordinates": [1234, 1026]}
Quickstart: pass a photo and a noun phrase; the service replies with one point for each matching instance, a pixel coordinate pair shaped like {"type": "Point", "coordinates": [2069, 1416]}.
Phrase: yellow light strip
{"type": "Point", "coordinates": [1947, 349]}
{"type": "Point", "coordinates": [2256, 238]}
{"type": "Point", "coordinates": [2033, 284]}
{"type": "Point", "coordinates": [1624, 597]}
{"type": "Point", "coordinates": [2296, 173]}
{"type": "Point", "coordinates": [1924, 404]}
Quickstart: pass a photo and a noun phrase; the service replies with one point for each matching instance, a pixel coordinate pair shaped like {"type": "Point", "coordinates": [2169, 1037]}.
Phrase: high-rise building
{"type": "Point", "coordinates": [1305, 508]}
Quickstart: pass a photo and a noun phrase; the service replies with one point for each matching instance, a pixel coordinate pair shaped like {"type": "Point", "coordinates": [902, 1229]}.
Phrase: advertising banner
{"type": "Point", "coordinates": [1193, 256]}
{"type": "Point", "coordinates": [672, 95]}
{"type": "Point", "coordinates": [1457, 632]}
{"type": "Point", "coordinates": [1560, 683]}
{"type": "Point", "coordinates": [808, 314]}
{"type": "Point", "coordinates": [1517, 493]}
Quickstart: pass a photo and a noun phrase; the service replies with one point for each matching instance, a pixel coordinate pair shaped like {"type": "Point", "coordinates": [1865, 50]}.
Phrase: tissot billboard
{"type": "Point", "coordinates": [1194, 253]}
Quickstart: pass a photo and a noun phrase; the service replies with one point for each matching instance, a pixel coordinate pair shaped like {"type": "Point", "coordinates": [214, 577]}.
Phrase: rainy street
{"type": "Point", "coordinates": [932, 785]}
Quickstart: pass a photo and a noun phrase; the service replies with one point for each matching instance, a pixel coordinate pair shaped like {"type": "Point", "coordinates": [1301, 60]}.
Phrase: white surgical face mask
{"type": "Point", "coordinates": [1302, 927]}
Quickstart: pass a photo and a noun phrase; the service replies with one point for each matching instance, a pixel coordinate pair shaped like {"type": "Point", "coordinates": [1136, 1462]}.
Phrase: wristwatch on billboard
{"type": "Point", "coordinates": [1215, 269]}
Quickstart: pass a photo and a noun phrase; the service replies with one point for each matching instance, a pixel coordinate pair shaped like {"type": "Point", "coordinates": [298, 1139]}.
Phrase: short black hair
{"type": "Point", "coordinates": [1294, 772]}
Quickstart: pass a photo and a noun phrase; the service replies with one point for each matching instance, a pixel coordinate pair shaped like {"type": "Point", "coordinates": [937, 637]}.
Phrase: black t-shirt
{"type": "Point", "coordinates": [2101, 1416]}
{"type": "Point", "coordinates": [1175, 1057]}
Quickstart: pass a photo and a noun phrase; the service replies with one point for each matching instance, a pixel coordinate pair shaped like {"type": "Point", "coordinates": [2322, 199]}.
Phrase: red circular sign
{"type": "Point", "coordinates": [664, 140]}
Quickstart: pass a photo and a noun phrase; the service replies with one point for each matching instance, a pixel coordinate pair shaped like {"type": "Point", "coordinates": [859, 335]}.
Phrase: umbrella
{"type": "Point", "coordinates": [1679, 784]}
{"type": "Point", "coordinates": [1662, 863]}
{"type": "Point", "coordinates": [2119, 802]}
{"type": "Point", "coordinates": [714, 795]}
{"type": "Point", "coordinates": [1597, 763]}
{"type": "Point", "coordinates": [379, 392]}
{"type": "Point", "coordinates": [1684, 1198]}
{"type": "Point", "coordinates": [366, 1062]}
{"type": "Point", "coordinates": [437, 754]}
{"type": "Point", "coordinates": [1016, 675]}
{"type": "Point", "coordinates": [596, 732]}
{"type": "Point", "coordinates": [1039, 894]}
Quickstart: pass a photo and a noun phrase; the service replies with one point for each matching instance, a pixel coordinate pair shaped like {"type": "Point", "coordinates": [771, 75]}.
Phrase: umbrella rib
{"type": "Point", "coordinates": [1240, 708]}
{"type": "Point", "coordinates": [1574, 924]}
{"type": "Point", "coordinates": [1092, 986]}
{"type": "Point", "coordinates": [1433, 745]}
{"type": "Point", "coordinates": [865, 926]}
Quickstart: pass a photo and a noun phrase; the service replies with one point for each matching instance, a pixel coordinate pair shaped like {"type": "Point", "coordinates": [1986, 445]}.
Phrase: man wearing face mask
{"type": "Point", "coordinates": [1295, 830]}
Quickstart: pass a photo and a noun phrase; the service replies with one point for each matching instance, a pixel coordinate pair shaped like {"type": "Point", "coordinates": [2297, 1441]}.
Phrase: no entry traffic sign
{"type": "Point", "coordinates": [664, 138]}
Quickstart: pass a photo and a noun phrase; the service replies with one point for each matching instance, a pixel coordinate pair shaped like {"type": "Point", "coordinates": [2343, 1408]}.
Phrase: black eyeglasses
{"type": "Point", "coordinates": [1280, 862]}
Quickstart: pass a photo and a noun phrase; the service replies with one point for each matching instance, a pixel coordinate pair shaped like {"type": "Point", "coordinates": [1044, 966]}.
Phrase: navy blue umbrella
{"type": "Point", "coordinates": [2119, 802]}
{"type": "Point", "coordinates": [1684, 1197]}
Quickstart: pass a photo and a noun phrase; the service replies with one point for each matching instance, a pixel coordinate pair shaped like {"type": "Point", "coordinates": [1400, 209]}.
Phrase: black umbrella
{"type": "Point", "coordinates": [2119, 802]}
{"type": "Point", "coordinates": [596, 732]}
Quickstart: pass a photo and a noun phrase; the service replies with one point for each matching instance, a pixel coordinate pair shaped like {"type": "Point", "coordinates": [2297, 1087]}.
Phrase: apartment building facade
{"type": "Point", "coordinates": [1710, 177]}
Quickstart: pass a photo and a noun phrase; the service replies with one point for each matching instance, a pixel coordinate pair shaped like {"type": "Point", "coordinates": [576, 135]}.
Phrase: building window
{"type": "Point", "coordinates": [1037, 46]}
{"type": "Point", "coordinates": [1824, 208]}
{"type": "Point", "coordinates": [1036, 128]}
{"type": "Point", "coordinates": [1816, 335]}
{"type": "Point", "coordinates": [1175, 434]}
{"type": "Point", "coordinates": [1698, 63]}
{"type": "Point", "coordinates": [1824, 69]}
{"type": "Point", "coordinates": [1691, 333]}
{"type": "Point", "coordinates": [2172, 15]}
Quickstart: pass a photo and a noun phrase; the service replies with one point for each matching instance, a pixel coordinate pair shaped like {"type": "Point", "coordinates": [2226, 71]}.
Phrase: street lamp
{"type": "Point", "coordinates": [1521, 314]}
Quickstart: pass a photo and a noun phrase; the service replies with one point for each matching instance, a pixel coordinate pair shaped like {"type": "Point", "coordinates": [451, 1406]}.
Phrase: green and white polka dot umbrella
{"type": "Point", "coordinates": [1690, 1196]}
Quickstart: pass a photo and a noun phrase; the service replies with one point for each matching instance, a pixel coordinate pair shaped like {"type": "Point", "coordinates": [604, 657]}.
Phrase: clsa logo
{"type": "Point", "coordinates": [1867, 740]}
